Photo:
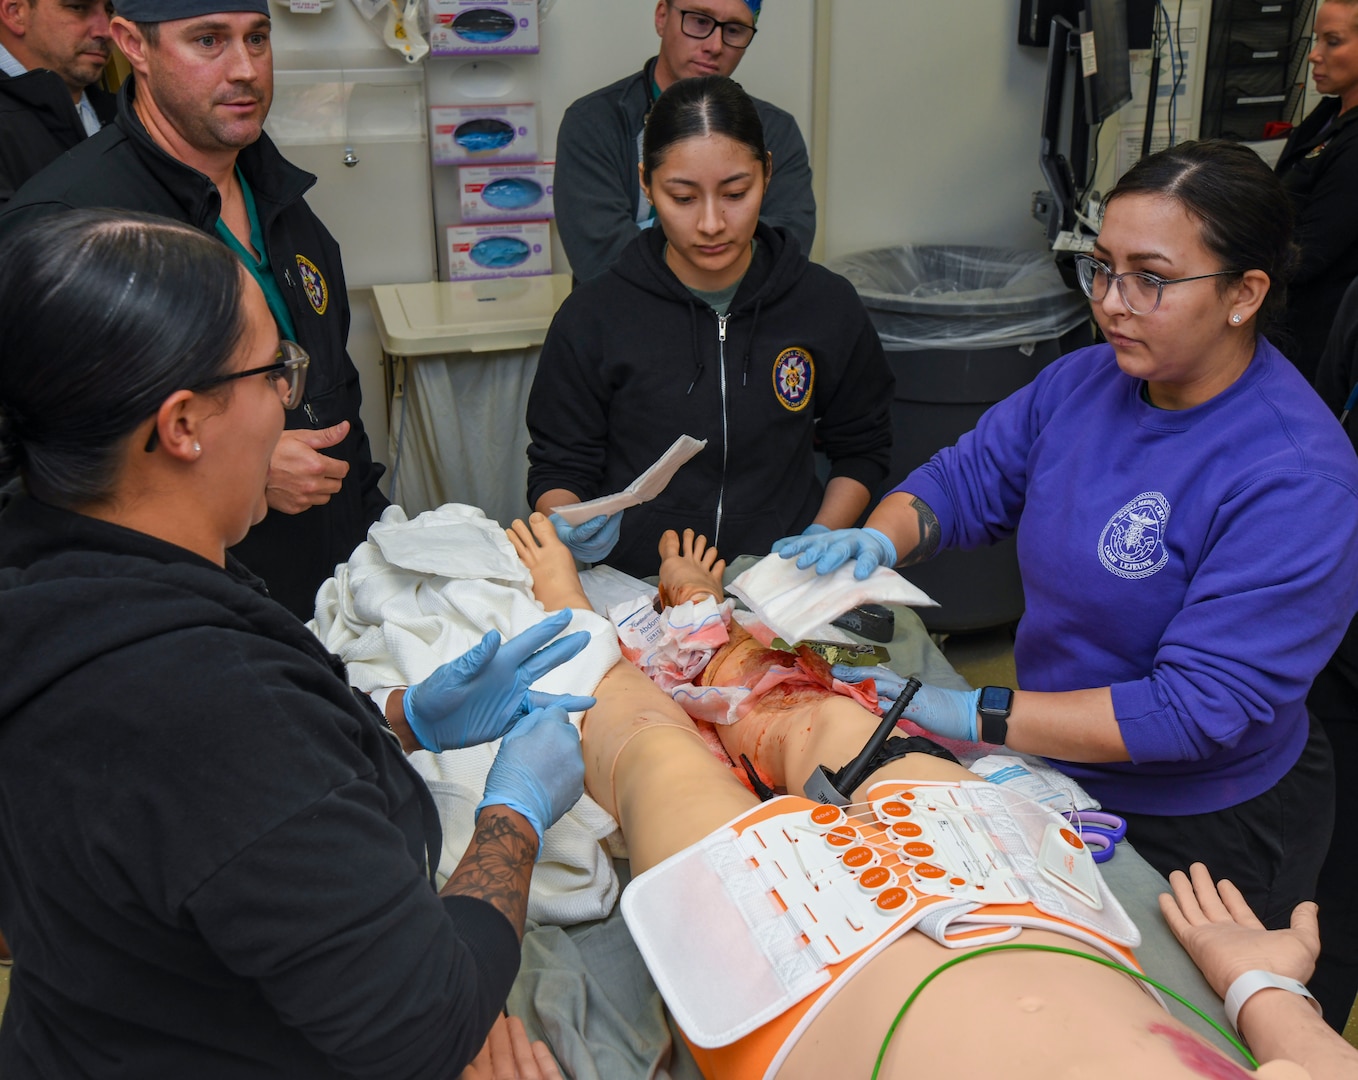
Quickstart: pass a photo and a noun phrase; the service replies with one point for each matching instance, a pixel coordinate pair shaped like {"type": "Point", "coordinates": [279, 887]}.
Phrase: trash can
{"type": "Point", "coordinates": [963, 327]}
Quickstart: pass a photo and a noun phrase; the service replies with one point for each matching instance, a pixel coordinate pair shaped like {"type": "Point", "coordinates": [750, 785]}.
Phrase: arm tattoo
{"type": "Point", "coordinates": [497, 867]}
{"type": "Point", "coordinates": [929, 534]}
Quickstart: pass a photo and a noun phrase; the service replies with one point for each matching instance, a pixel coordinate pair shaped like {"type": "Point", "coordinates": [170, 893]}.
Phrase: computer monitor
{"type": "Point", "coordinates": [1104, 58]}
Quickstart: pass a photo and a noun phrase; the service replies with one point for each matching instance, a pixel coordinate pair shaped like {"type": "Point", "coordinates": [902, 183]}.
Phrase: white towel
{"type": "Point", "coordinates": [793, 603]}
{"type": "Point", "coordinates": [419, 593]}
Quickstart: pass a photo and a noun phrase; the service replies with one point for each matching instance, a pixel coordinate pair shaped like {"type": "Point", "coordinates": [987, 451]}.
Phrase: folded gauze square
{"type": "Point", "coordinates": [792, 602]}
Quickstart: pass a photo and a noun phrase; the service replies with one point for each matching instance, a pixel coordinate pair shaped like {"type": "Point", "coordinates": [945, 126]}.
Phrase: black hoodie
{"type": "Point", "coordinates": [633, 360]}
{"type": "Point", "coordinates": [213, 861]}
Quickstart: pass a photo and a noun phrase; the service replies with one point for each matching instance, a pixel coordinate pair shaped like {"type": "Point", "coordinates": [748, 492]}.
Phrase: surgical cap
{"type": "Point", "coordinates": [154, 11]}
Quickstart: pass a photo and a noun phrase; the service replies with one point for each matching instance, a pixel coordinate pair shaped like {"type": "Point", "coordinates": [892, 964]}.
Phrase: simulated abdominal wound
{"type": "Point", "coordinates": [483, 133]}
{"type": "Point", "coordinates": [483, 25]}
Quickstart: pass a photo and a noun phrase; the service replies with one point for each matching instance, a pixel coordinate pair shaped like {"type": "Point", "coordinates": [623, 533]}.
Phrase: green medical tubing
{"type": "Point", "coordinates": [877, 1067]}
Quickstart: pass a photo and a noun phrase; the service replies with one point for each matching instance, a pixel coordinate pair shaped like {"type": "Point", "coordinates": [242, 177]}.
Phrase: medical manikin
{"type": "Point", "coordinates": [647, 764]}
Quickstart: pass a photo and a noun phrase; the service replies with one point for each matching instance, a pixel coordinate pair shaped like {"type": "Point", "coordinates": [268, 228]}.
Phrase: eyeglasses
{"type": "Point", "coordinates": [288, 375]}
{"type": "Point", "coordinates": [695, 24]}
{"type": "Point", "coordinates": [1139, 290]}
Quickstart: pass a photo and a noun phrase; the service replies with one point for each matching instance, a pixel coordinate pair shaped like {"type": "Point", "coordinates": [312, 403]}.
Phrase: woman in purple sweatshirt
{"type": "Point", "coordinates": [1185, 508]}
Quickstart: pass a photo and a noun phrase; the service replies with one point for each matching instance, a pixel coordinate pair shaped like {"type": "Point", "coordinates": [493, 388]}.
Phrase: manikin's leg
{"type": "Point", "coordinates": [645, 762]}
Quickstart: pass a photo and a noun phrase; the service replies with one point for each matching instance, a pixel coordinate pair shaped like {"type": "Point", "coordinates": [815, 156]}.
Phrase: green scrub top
{"type": "Point", "coordinates": [259, 268]}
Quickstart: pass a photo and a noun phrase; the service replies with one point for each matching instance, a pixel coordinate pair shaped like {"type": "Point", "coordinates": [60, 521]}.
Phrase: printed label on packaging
{"type": "Point", "coordinates": [506, 192]}
{"type": "Point", "coordinates": [483, 27]}
{"type": "Point", "coordinates": [517, 249]}
{"type": "Point", "coordinates": [480, 134]}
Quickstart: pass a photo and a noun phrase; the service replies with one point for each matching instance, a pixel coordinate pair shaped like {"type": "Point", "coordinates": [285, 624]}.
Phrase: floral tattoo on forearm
{"type": "Point", "coordinates": [498, 867]}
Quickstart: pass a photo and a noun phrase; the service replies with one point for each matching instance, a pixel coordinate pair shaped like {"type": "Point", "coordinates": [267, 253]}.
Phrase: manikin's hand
{"type": "Point", "coordinates": [508, 1055]}
{"type": "Point", "coordinates": [1218, 930]}
{"type": "Point", "coordinates": [300, 476]}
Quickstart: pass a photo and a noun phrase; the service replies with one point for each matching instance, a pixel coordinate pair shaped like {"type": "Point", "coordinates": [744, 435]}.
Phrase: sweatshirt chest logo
{"type": "Point", "coordinates": [794, 373]}
{"type": "Point", "coordinates": [313, 284]}
{"type": "Point", "coordinates": [1132, 544]}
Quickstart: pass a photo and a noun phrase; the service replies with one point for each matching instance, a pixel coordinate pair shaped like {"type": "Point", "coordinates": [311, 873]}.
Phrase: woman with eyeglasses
{"type": "Point", "coordinates": [1185, 508]}
{"type": "Point", "coordinates": [712, 324]}
{"type": "Point", "coordinates": [214, 860]}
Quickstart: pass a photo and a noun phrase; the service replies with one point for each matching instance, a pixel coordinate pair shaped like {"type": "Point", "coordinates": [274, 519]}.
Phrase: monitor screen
{"type": "Point", "coordinates": [1104, 59]}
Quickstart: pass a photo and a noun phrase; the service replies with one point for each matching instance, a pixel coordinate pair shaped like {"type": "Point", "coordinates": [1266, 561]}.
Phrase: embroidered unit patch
{"type": "Point", "coordinates": [1132, 544]}
{"type": "Point", "coordinates": [313, 282]}
{"type": "Point", "coordinates": [794, 373]}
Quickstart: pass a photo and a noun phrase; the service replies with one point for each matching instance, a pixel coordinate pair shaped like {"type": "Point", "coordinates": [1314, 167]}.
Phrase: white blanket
{"type": "Point", "coordinates": [419, 593]}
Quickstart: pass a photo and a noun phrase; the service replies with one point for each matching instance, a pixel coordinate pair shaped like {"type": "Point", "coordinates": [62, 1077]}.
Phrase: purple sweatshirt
{"type": "Point", "coordinates": [1200, 562]}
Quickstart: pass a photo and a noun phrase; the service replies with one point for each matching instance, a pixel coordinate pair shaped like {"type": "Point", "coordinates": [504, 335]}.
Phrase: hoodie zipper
{"type": "Point", "coordinates": [725, 439]}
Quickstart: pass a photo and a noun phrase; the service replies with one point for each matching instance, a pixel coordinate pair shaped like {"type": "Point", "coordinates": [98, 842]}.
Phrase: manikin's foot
{"type": "Point", "coordinates": [556, 583]}
{"type": "Point", "coordinates": [689, 569]}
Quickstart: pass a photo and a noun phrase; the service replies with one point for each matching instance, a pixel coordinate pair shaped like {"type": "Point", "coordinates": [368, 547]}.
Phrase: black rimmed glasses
{"type": "Point", "coordinates": [1139, 290]}
{"type": "Point", "coordinates": [287, 373]}
{"type": "Point", "coordinates": [696, 24]}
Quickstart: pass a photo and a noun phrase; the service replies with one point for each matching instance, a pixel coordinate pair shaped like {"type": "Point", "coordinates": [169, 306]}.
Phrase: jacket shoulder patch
{"type": "Point", "coordinates": [313, 284]}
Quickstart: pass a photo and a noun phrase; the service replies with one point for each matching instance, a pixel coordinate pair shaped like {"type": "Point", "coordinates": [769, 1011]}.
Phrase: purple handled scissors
{"type": "Point", "coordinates": [1099, 831]}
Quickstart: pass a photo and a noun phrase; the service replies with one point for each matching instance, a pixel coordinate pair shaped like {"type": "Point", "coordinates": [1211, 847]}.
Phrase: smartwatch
{"type": "Point", "coordinates": [994, 706]}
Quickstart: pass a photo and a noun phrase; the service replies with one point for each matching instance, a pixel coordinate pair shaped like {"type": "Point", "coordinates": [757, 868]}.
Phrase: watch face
{"type": "Point", "coordinates": [996, 699]}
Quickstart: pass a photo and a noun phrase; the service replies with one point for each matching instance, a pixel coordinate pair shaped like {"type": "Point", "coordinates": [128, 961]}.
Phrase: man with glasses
{"type": "Point", "coordinates": [599, 204]}
{"type": "Point", "coordinates": [188, 144]}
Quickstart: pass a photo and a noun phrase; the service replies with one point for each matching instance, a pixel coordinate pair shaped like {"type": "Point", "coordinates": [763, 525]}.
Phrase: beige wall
{"type": "Point", "coordinates": [933, 125]}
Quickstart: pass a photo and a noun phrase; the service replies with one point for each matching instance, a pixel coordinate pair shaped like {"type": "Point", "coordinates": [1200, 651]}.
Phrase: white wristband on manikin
{"type": "Point", "coordinates": [1250, 983]}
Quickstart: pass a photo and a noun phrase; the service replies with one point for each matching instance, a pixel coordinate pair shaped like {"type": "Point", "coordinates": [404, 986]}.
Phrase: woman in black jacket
{"type": "Point", "coordinates": [716, 326]}
{"type": "Point", "coordinates": [1319, 169]}
{"type": "Point", "coordinates": [214, 860]}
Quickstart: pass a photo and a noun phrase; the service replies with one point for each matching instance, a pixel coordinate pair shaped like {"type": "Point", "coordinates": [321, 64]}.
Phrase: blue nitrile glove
{"type": "Point", "coordinates": [950, 713]}
{"type": "Point", "coordinates": [477, 697]}
{"type": "Point", "coordinates": [811, 530]}
{"type": "Point", "coordinates": [591, 540]}
{"type": "Point", "coordinates": [889, 684]}
{"type": "Point", "coordinates": [538, 770]}
{"type": "Point", "coordinates": [829, 550]}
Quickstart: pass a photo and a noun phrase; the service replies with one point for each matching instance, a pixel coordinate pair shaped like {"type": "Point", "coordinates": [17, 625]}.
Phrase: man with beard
{"type": "Point", "coordinates": [51, 54]}
{"type": "Point", "coordinates": [188, 144]}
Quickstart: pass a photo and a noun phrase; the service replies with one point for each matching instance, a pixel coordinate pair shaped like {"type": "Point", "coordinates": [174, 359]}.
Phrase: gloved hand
{"type": "Point", "coordinates": [889, 684]}
{"type": "Point", "coordinates": [591, 540]}
{"type": "Point", "coordinates": [831, 549]}
{"type": "Point", "coordinates": [950, 713]}
{"type": "Point", "coordinates": [811, 530]}
{"type": "Point", "coordinates": [477, 697]}
{"type": "Point", "coordinates": [538, 771]}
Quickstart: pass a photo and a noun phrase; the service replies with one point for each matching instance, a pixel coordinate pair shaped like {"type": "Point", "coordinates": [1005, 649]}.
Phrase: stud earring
{"type": "Point", "coordinates": [1236, 319]}
{"type": "Point", "coordinates": [197, 449]}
